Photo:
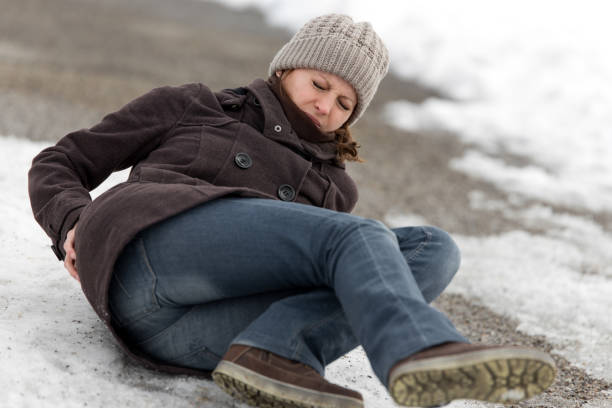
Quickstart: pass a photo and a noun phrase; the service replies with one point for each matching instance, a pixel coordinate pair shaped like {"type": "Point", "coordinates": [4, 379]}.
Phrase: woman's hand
{"type": "Point", "coordinates": [70, 261]}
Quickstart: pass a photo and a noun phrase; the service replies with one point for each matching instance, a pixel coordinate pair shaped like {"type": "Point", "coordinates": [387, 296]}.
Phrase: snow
{"type": "Point", "coordinates": [529, 78]}
{"type": "Point", "coordinates": [533, 181]}
{"type": "Point", "coordinates": [557, 283]}
{"type": "Point", "coordinates": [53, 348]}
{"type": "Point", "coordinates": [54, 351]}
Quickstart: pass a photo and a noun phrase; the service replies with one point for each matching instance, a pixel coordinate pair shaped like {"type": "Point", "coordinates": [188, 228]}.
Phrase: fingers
{"type": "Point", "coordinates": [70, 264]}
{"type": "Point", "coordinates": [70, 260]}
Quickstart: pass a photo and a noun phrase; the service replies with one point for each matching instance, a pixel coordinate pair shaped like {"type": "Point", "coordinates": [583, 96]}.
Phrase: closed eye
{"type": "Point", "coordinates": [318, 86]}
{"type": "Point", "coordinates": [344, 106]}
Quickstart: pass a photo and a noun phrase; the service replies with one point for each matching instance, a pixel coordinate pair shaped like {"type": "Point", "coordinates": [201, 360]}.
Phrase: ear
{"type": "Point", "coordinates": [279, 73]}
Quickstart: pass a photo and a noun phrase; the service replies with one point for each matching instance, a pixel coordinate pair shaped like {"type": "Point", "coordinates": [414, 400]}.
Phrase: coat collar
{"type": "Point", "coordinates": [278, 127]}
{"type": "Point", "coordinates": [301, 123]}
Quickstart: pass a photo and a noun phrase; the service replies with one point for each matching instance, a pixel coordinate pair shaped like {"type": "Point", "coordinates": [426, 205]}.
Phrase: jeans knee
{"type": "Point", "coordinates": [448, 256]}
{"type": "Point", "coordinates": [374, 228]}
{"type": "Point", "coordinates": [349, 224]}
{"type": "Point", "coordinates": [376, 225]}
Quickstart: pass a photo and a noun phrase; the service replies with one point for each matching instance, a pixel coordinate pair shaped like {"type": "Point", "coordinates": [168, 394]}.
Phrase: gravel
{"type": "Point", "coordinates": [72, 69]}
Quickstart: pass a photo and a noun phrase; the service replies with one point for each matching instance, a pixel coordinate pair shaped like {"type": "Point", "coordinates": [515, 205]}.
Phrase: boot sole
{"type": "Point", "coordinates": [261, 391]}
{"type": "Point", "coordinates": [494, 375]}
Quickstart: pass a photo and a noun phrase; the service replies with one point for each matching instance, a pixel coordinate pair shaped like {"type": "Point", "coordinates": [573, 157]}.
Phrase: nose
{"type": "Point", "coordinates": [324, 105]}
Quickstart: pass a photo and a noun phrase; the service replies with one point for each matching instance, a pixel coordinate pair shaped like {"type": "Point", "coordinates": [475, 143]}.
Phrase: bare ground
{"type": "Point", "coordinates": [66, 63]}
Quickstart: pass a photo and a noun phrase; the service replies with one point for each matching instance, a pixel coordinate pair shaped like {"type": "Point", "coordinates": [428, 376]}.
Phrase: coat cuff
{"type": "Point", "coordinates": [69, 222]}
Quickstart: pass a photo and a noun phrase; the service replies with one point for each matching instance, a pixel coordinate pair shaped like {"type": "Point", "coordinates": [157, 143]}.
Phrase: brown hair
{"type": "Point", "coordinates": [346, 147]}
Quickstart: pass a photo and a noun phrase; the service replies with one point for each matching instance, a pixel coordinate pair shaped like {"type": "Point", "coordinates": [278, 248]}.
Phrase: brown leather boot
{"type": "Point", "coordinates": [451, 371]}
{"type": "Point", "coordinates": [263, 379]}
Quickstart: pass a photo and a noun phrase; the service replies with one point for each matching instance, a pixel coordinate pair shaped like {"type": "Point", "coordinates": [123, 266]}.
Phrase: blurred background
{"type": "Point", "coordinates": [493, 124]}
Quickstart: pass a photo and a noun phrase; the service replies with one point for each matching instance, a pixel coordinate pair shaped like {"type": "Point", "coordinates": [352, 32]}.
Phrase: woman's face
{"type": "Point", "coordinates": [326, 98]}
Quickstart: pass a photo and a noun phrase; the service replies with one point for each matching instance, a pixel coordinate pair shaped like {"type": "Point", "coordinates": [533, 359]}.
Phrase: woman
{"type": "Point", "coordinates": [231, 247]}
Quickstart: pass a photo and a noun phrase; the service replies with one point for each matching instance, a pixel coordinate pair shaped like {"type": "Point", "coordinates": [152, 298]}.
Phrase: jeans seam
{"type": "Point", "coordinates": [421, 245]}
{"type": "Point", "coordinates": [194, 352]}
{"type": "Point", "coordinates": [147, 262]}
{"type": "Point", "coordinates": [118, 280]}
{"type": "Point", "coordinates": [162, 332]}
{"type": "Point", "coordinates": [395, 297]}
{"type": "Point", "coordinates": [131, 322]}
{"type": "Point", "coordinates": [155, 306]}
{"type": "Point", "coordinates": [299, 348]}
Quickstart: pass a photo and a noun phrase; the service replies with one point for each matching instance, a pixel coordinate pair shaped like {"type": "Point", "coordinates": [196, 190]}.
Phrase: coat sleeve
{"type": "Point", "coordinates": [62, 176]}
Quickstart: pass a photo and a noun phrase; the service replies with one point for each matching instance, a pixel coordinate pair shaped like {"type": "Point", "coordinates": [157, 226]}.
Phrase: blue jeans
{"type": "Point", "coordinates": [306, 283]}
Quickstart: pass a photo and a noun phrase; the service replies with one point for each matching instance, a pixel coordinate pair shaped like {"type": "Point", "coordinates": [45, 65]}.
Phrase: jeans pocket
{"type": "Point", "coordinates": [132, 287]}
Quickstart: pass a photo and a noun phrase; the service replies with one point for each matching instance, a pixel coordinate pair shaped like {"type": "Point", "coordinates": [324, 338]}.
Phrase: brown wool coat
{"type": "Point", "coordinates": [181, 143]}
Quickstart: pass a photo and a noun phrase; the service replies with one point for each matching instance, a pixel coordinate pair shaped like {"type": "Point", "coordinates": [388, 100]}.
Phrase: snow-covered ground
{"type": "Point", "coordinates": [55, 352]}
{"type": "Point", "coordinates": [528, 78]}
{"type": "Point", "coordinates": [533, 79]}
{"type": "Point", "coordinates": [557, 284]}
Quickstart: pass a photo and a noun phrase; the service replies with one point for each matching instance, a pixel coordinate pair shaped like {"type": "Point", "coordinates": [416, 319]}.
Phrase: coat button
{"type": "Point", "coordinates": [234, 107]}
{"type": "Point", "coordinates": [243, 160]}
{"type": "Point", "coordinates": [286, 192]}
{"type": "Point", "coordinates": [278, 128]}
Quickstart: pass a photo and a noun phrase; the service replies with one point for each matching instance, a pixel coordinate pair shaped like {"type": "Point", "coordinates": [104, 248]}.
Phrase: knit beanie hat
{"type": "Point", "coordinates": [335, 44]}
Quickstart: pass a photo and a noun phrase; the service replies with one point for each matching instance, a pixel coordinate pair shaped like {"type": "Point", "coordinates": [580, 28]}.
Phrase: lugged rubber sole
{"type": "Point", "coordinates": [260, 391]}
{"type": "Point", "coordinates": [493, 375]}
